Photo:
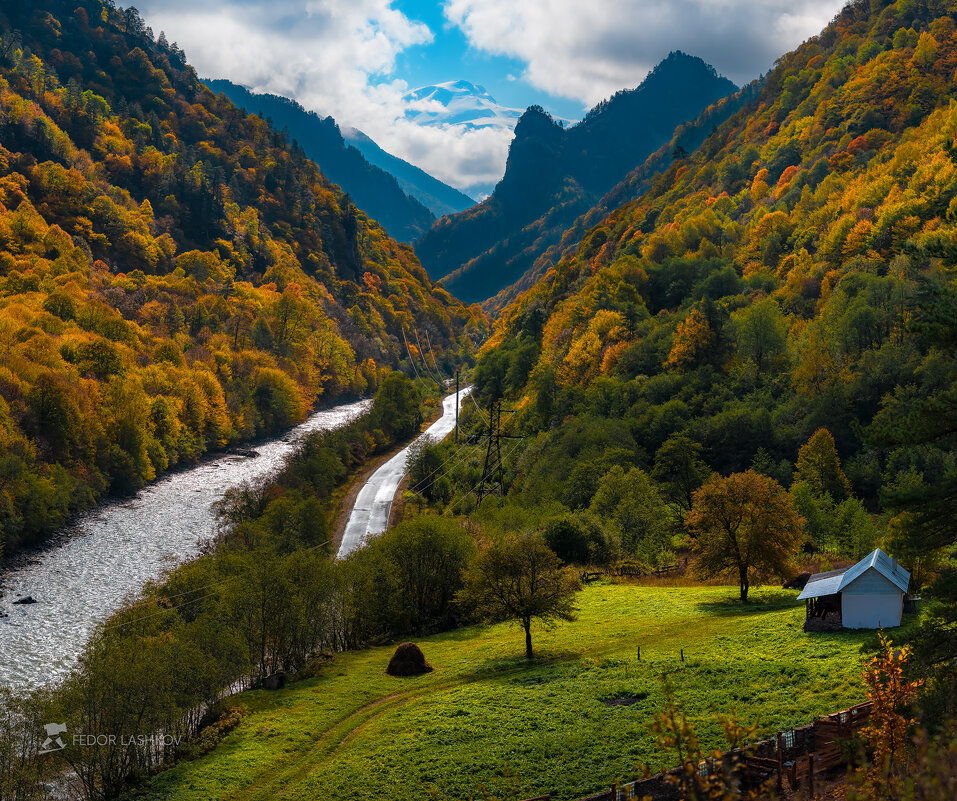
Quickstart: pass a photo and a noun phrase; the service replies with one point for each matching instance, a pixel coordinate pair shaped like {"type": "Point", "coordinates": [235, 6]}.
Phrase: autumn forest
{"type": "Point", "coordinates": [706, 341]}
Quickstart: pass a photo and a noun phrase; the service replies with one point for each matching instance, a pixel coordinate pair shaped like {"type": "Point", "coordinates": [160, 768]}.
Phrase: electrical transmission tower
{"type": "Point", "coordinates": [493, 473]}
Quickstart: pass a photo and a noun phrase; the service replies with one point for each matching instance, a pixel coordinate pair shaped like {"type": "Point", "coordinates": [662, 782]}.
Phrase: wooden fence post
{"type": "Point", "coordinates": [780, 760]}
{"type": "Point", "coordinates": [810, 775]}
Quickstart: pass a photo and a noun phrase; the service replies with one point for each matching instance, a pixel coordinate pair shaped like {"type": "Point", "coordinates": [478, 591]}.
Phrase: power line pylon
{"type": "Point", "coordinates": [493, 473]}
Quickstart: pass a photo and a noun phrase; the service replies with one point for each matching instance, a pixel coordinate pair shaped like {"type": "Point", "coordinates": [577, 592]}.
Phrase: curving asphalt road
{"type": "Point", "coordinates": [370, 515]}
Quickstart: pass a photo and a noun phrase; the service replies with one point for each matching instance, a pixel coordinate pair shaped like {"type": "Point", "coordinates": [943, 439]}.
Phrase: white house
{"type": "Point", "coordinates": [869, 595]}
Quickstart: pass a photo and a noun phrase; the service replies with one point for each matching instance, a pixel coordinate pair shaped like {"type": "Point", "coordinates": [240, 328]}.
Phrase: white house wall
{"type": "Point", "coordinates": [871, 610]}
{"type": "Point", "coordinates": [869, 582]}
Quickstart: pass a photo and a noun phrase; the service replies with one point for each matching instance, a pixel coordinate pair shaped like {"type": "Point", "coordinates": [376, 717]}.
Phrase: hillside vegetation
{"type": "Point", "coordinates": [793, 274]}
{"type": "Point", "coordinates": [374, 190]}
{"type": "Point", "coordinates": [686, 138]}
{"type": "Point", "coordinates": [554, 174]}
{"type": "Point", "coordinates": [174, 276]}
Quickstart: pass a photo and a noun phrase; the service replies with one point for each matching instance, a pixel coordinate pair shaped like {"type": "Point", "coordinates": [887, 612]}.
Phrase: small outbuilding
{"type": "Point", "coordinates": [868, 595]}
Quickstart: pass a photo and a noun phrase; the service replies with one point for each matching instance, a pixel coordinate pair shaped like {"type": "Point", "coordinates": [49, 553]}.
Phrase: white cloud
{"type": "Point", "coordinates": [588, 51]}
{"type": "Point", "coordinates": [335, 58]}
{"type": "Point", "coordinates": [338, 57]}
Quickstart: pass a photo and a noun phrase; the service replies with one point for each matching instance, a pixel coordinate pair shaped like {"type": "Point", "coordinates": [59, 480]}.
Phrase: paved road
{"type": "Point", "coordinates": [370, 515]}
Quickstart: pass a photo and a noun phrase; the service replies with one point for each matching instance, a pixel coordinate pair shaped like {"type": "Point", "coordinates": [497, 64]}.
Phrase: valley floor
{"type": "Point", "coordinates": [486, 718]}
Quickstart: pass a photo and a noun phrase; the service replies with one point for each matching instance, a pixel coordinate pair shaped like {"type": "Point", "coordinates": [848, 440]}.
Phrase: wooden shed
{"type": "Point", "coordinates": [868, 595]}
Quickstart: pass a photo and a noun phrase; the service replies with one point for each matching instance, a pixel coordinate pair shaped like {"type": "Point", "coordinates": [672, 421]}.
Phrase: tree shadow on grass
{"type": "Point", "coordinates": [762, 601]}
{"type": "Point", "coordinates": [517, 665]}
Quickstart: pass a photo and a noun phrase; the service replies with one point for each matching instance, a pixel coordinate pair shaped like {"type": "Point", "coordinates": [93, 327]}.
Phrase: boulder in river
{"type": "Point", "coordinates": [408, 660]}
{"type": "Point", "coordinates": [247, 453]}
{"type": "Point", "coordinates": [26, 599]}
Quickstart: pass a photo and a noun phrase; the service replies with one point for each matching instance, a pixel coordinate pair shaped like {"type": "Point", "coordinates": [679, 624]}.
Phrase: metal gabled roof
{"type": "Point", "coordinates": [834, 581]}
{"type": "Point", "coordinates": [884, 565]}
{"type": "Point", "coordinates": [821, 584]}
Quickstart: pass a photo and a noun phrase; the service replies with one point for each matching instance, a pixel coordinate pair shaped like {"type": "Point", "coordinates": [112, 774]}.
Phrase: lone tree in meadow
{"type": "Point", "coordinates": [520, 579]}
{"type": "Point", "coordinates": [745, 524]}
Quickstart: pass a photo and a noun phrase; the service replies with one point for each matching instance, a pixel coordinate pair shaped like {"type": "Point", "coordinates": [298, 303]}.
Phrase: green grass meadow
{"type": "Point", "coordinates": [486, 717]}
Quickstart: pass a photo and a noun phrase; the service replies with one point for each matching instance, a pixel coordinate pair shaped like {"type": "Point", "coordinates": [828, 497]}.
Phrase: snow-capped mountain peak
{"type": "Point", "coordinates": [458, 103]}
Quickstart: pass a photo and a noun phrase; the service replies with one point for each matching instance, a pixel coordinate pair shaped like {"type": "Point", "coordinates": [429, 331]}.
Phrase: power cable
{"type": "Point", "coordinates": [409, 351]}
{"type": "Point", "coordinates": [432, 351]}
{"type": "Point", "coordinates": [461, 452]}
{"type": "Point", "coordinates": [479, 409]}
{"type": "Point", "coordinates": [425, 361]}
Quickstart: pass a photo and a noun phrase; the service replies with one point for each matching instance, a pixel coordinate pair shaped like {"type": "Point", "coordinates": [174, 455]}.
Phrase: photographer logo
{"type": "Point", "coordinates": [53, 742]}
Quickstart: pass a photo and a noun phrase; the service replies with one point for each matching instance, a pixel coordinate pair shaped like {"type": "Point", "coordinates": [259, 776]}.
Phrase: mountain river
{"type": "Point", "coordinates": [106, 556]}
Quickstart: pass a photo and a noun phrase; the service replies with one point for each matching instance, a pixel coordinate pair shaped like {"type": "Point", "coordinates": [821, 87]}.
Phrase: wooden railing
{"type": "Point", "coordinates": [798, 756]}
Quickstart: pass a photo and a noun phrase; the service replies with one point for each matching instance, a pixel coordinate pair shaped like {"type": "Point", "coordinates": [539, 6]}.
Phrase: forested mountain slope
{"type": "Point", "coordinates": [374, 190]}
{"type": "Point", "coordinates": [795, 273]}
{"type": "Point", "coordinates": [567, 235]}
{"type": "Point", "coordinates": [554, 174]}
{"type": "Point", "coordinates": [173, 275]}
{"type": "Point", "coordinates": [438, 197]}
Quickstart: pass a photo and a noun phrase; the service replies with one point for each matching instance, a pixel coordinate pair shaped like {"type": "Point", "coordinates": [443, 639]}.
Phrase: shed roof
{"type": "Point", "coordinates": [821, 584]}
{"type": "Point", "coordinates": [834, 581]}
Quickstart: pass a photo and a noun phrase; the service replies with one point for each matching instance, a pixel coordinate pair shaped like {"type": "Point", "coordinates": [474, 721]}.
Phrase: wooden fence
{"type": "Point", "coordinates": [798, 757]}
{"type": "Point", "coordinates": [633, 570]}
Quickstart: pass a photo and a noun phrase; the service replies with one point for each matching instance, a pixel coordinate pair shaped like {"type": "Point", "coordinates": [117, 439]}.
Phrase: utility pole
{"type": "Point", "coordinates": [456, 407]}
{"type": "Point", "coordinates": [491, 462]}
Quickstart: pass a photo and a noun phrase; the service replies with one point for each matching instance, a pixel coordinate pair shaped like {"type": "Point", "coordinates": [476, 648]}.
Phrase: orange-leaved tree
{"type": "Point", "coordinates": [744, 524]}
{"type": "Point", "coordinates": [892, 694]}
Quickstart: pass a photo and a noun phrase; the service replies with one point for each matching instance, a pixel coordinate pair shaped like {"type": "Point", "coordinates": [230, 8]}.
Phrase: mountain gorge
{"type": "Point", "coordinates": [439, 198]}
{"type": "Point", "coordinates": [714, 415]}
{"type": "Point", "coordinates": [554, 174]}
{"type": "Point", "coordinates": [175, 275]}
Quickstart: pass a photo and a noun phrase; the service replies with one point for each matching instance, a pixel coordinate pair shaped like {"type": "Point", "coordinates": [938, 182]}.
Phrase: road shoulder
{"type": "Point", "coordinates": [348, 493]}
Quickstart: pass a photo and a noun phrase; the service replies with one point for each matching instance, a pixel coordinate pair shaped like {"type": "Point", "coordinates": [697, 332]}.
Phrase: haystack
{"type": "Point", "coordinates": [408, 660]}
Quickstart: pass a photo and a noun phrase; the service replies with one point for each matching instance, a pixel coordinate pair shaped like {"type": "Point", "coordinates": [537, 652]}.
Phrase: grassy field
{"type": "Point", "coordinates": [485, 717]}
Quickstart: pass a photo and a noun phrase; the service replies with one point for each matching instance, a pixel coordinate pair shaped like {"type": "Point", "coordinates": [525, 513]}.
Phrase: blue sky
{"type": "Point", "coordinates": [450, 57]}
{"type": "Point", "coordinates": [356, 60]}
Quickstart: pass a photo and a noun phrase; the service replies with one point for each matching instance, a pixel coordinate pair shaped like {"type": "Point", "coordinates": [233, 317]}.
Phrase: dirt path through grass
{"type": "Point", "coordinates": [355, 733]}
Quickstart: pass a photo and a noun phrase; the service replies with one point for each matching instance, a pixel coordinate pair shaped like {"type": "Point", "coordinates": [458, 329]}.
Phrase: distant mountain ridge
{"type": "Point", "coordinates": [374, 190]}
{"type": "Point", "coordinates": [439, 198]}
{"type": "Point", "coordinates": [176, 274]}
{"type": "Point", "coordinates": [555, 174]}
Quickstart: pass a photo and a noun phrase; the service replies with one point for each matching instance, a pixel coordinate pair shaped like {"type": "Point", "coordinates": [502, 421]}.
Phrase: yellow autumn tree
{"type": "Point", "coordinates": [759, 186]}
{"type": "Point", "coordinates": [819, 466]}
{"type": "Point", "coordinates": [692, 338]}
{"type": "Point", "coordinates": [891, 694]}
